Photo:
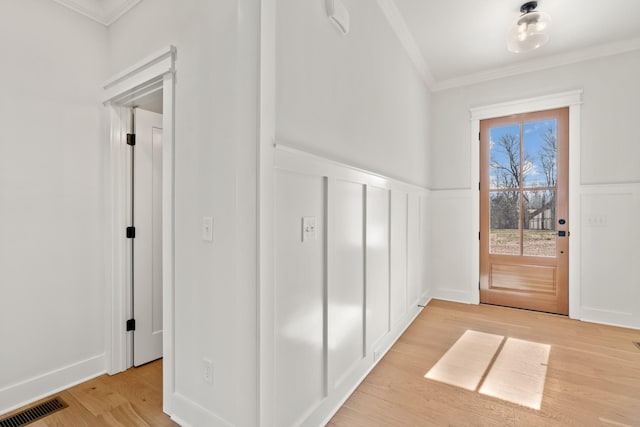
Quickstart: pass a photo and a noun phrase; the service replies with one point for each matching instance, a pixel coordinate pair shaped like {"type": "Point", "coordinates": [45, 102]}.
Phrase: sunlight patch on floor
{"type": "Point", "coordinates": [464, 364]}
{"type": "Point", "coordinates": [509, 369]}
{"type": "Point", "coordinates": [518, 374]}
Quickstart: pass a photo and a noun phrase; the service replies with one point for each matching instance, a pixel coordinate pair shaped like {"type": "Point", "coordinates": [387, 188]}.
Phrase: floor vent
{"type": "Point", "coordinates": [33, 414]}
{"type": "Point", "coordinates": [637, 344]}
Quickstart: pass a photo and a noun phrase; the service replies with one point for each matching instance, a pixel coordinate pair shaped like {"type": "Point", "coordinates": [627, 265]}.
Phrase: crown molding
{"type": "Point", "coordinates": [117, 12]}
{"type": "Point", "coordinates": [399, 26]}
{"type": "Point", "coordinates": [554, 61]}
{"type": "Point", "coordinates": [95, 10]}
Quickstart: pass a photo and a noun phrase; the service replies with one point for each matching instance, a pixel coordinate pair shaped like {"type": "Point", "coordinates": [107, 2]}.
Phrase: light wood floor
{"type": "Point", "coordinates": [129, 399]}
{"type": "Point", "coordinates": [593, 374]}
{"type": "Point", "coordinates": [593, 379]}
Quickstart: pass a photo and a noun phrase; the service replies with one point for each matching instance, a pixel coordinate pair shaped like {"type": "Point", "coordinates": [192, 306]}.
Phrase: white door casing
{"type": "Point", "coordinates": [154, 74]}
{"type": "Point", "coordinates": [573, 100]}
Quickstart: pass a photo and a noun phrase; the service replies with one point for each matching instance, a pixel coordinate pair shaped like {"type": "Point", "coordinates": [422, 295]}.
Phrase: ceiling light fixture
{"type": "Point", "coordinates": [529, 30]}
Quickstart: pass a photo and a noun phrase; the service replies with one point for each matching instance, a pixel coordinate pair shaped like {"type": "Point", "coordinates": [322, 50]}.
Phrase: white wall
{"type": "Point", "coordinates": [341, 301]}
{"type": "Point", "coordinates": [215, 175]}
{"type": "Point", "coordinates": [609, 184]}
{"type": "Point", "coordinates": [355, 98]}
{"type": "Point", "coordinates": [51, 231]}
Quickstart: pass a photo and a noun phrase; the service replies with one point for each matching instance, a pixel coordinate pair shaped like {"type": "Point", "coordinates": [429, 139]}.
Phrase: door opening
{"type": "Point", "coordinates": [145, 84]}
{"type": "Point", "coordinates": [524, 211]}
{"type": "Point", "coordinates": [146, 219]}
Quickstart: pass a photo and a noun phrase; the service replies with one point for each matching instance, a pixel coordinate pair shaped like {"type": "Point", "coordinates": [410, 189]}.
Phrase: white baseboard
{"type": "Point", "coordinates": [453, 295]}
{"type": "Point", "coordinates": [395, 334]}
{"type": "Point", "coordinates": [189, 414]}
{"type": "Point", "coordinates": [33, 389]}
{"type": "Point", "coordinates": [609, 317]}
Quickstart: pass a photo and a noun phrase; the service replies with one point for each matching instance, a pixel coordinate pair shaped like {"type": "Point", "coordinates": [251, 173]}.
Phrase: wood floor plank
{"type": "Point", "coordinates": [129, 399]}
{"type": "Point", "coordinates": [592, 377]}
{"type": "Point", "coordinates": [123, 416]}
{"type": "Point", "coordinates": [97, 397]}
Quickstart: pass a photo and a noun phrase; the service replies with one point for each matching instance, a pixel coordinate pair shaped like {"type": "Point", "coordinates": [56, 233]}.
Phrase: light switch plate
{"type": "Point", "coordinates": [309, 228]}
{"type": "Point", "coordinates": [207, 229]}
{"type": "Point", "coordinates": [207, 371]}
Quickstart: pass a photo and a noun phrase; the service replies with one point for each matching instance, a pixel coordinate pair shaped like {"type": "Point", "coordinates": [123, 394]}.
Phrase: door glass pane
{"type": "Point", "coordinates": [539, 152]}
{"type": "Point", "coordinates": [504, 160]}
{"type": "Point", "coordinates": [539, 223]}
{"type": "Point", "coordinates": [504, 223]}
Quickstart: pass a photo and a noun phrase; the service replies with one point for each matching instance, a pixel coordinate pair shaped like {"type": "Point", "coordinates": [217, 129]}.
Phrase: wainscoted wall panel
{"type": "Point", "coordinates": [606, 232]}
{"type": "Point", "coordinates": [399, 293]}
{"type": "Point", "coordinates": [610, 233]}
{"type": "Point", "coordinates": [378, 319]}
{"type": "Point", "coordinates": [335, 290]}
{"type": "Point", "coordinates": [452, 235]}
{"type": "Point", "coordinates": [414, 261]}
{"type": "Point", "coordinates": [300, 296]}
{"type": "Point", "coordinates": [425, 241]}
{"type": "Point", "coordinates": [346, 280]}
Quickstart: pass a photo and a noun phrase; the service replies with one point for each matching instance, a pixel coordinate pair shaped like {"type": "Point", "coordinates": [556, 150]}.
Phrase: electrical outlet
{"type": "Point", "coordinates": [207, 371]}
{"type": "Point", "coordinates": [309, 228]}
{"type": "Point", "coordinates": [597, 220]}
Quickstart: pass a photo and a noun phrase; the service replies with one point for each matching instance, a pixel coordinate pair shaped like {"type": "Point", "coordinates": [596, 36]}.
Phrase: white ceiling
{"type": "Point", "coordinates": [457, 42]}
{"type": "Point", "coordinates": [105, 12]}
{"type": "Point", "coordinates": [464, 41]}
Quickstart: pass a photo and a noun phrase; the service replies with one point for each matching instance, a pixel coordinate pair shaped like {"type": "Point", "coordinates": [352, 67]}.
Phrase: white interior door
{"type": "Point", "coordinates": [147, 247]}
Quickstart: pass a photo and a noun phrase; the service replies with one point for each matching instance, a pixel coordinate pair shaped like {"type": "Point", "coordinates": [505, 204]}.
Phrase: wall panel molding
{"type": "Point", "coordinates": [609, 271]}
{"type": "Point", "coordinates": [335, 286]}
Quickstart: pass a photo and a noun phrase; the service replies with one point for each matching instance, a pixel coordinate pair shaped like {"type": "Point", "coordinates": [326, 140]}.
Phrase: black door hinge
{"type": "Point", "coordinates": [131, 139]}
{"type": "Point", "coordinates": [478, 285]}
{"type": "Point", "coordinates": [478, 235]}
{"type": "Point", "coordinates": [131, 325]}
{"type": "Point", "coordinates": [131, 232]}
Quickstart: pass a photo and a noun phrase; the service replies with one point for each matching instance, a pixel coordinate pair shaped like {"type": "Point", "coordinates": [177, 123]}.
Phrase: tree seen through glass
{"type": "Point", "coordinates": [523, 179]}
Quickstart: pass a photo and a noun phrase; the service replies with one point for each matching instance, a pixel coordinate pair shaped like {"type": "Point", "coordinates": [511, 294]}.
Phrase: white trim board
{"type": "Point", "coordinates": [266, 221]}
{"type": "Point", "coordinates": [198, 415]}
{"type": "Point", "coordinates": [18, 395]}
{"type": "Point", "coordinates": [545, 63]}
{"type": "Point", "coordinates": [153, 74]}
{"type": "Point", "coordinates": [334, 163]}
{"type": "Point", "coordinates": [140, 77]}
{"type": "Point", "coordinates": [573, 100]}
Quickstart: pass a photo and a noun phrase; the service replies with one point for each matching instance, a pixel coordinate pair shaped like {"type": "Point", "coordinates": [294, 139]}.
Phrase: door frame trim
{"type": "Point", "coordinates": [573, 100]}
{"type": "Point", "coordinates": [153, 74]}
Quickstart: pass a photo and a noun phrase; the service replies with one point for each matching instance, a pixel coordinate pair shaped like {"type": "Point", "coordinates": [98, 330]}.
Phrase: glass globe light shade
{"type": "Point", "coordinates": [529, 32]}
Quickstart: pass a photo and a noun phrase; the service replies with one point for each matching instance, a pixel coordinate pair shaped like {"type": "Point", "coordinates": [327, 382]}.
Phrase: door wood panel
{"type": "Point", "coordinates": [527, 278]}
